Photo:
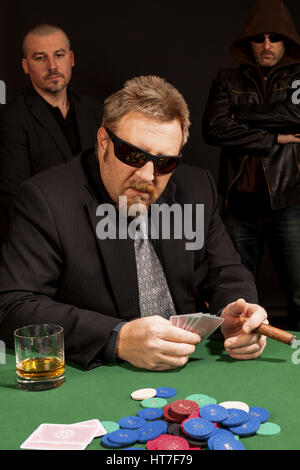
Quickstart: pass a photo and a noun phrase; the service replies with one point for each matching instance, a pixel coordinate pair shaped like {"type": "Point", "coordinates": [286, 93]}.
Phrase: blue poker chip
{"type": "Point", "coordinates": [215, 413]}
{"type": "Point", "coordinates": [220, 433]}
{"type": "Point", "coordinates": [225, 443]}
{"type": "Point", "coordinates": [235, 417]}
{"type": "Point", "coordinates": [260, 413]}
{"type": "Point", "coordinates": [107, 443]}
{"type": "Point", "coordinates": [123, 437]}
{"type": "Point", "coordinates": [152, 430]}
{"type": "Point", "coordinates": [166, 392]}
{"type": "Point", "coordinates": [150, 413]}
{"type": "Point", "coordinates": [131, 422]}
{"type": "Point", "coordinates": [199, 428]}
{"type": "Point", "coordinates": [248, 428]}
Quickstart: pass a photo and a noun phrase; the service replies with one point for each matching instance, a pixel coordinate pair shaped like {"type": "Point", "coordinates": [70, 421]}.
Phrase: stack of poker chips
{"type": "Point", "coordinates": [194, 423]}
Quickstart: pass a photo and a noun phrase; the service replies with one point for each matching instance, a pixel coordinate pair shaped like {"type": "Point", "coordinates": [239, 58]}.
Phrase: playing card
{"type": "Point", "coordinates": [208, 324]}
{"type": "Point", "coordinates": [203, 324]}
{"type": "Point", "coordinates": [61, 437]}
{"type": "Point", "coordinates": [101, 431]}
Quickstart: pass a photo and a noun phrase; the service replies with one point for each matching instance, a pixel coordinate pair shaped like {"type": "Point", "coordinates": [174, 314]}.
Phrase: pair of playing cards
{"type": "Point", "coordinates": [203, 324]}
{"type": "Point", "coordinates": [64, 436]}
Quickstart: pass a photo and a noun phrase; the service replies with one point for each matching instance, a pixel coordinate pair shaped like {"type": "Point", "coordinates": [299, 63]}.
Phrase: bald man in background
{"type": "Point", "coordinates": [49, 123]}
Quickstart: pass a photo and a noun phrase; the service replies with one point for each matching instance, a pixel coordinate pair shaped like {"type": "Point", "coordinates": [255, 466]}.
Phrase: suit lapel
{"type": "Point", "coordinates": [42, 114]}
{"type": "Point", "coordinates": [178, 263]}
{"type": "Point", "coordinates": [119, 260]}
{"type": "Point", "coordinates": [118, 255]}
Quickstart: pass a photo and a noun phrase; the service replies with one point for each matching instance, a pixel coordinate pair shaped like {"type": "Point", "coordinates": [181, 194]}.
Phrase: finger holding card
{"type": "Point", "coordinates": [200, 323]}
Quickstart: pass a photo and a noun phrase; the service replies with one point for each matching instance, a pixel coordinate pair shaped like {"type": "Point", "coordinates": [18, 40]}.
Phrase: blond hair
{"type": "Point", "coordinates": [152, 96]}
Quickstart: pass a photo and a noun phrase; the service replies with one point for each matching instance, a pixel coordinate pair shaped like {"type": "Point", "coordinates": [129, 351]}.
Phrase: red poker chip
{"type": "Point", "coordinates": [152, 445]}
{"type": "Point", "coordinates": [167, 416]}
{"type": "Point", "coordinates": [195, 448]}
{"type": "Point", "coordinates": [172, 443]}
{"type": "Point", "coordinates": [182, 409]}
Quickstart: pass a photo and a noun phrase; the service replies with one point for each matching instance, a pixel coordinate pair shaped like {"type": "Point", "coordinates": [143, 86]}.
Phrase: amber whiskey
{"type": "Point", "coordinates": [39, 368]}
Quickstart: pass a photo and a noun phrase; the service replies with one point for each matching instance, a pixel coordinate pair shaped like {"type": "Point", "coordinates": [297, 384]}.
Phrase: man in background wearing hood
{"type": "Point", "coordinates": [251, 115]}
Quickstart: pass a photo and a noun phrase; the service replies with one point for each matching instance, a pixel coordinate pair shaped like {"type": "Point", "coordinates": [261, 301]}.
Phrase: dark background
{"type": "Point", "coordinates": [185, 42]}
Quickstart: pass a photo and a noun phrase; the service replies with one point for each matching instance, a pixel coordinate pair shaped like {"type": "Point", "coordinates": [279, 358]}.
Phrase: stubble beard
{"type": "Point", "coordinates": [57, 86]}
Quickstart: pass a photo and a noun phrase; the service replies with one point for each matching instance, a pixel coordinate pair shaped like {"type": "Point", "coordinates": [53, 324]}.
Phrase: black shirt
{"type": "Point", "coordinates": [68, 126]}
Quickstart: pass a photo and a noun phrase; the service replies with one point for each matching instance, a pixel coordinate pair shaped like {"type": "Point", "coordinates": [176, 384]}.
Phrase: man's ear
{"type": "Point", "coordinates": [102, 141]}
{"type": "Point", "coordinates": [72, 58]}
{"type": "Point", "coordinates": [25, 66]}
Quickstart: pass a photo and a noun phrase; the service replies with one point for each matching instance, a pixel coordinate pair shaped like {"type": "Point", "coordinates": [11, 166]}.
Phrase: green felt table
{"type": "Point", "coordinates": [272, 381]}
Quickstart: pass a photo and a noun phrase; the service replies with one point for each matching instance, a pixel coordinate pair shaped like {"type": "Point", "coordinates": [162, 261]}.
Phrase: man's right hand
{"type": "Point", "coordinates": [153, 343]}
{"type": "Point", "coordinates": [288, 139]}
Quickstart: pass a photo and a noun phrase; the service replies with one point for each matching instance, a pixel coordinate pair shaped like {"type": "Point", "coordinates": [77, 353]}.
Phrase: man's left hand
{"type": "Point", "coordinates": [240, 340]}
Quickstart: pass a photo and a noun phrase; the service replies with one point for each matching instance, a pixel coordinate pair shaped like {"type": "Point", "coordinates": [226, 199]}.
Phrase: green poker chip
{"type": "Point", "coordinates": [154, 403]}
{"type": "Point", "coordinates": [268, 429]}
{"type": "Point", "coordinates": [201, 399]}
{"type": "Point", "coordinates": [110, 426]}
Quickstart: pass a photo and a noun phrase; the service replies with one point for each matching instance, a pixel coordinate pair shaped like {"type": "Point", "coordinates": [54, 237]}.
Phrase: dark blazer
{"type": "Point", "coordinates": [31, 141]}
{"type": "Point", "coordinates": [57, 270]}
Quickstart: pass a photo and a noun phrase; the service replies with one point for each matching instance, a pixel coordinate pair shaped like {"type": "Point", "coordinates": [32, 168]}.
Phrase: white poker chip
{"type": "Point", "coordinates": [240, 405]}
{"type": "Point", "coordinates": [143, 393]}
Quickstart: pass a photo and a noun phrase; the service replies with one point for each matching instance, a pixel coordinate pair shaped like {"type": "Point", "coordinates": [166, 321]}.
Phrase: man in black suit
{"type": "Point", "coordinates": [47, 124]}
{"type": "Point", "coordinates": [68, 262]}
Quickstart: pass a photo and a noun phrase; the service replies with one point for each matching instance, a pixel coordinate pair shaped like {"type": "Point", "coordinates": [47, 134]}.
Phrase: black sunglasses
{"type": "Point", "coordinates": [260, 38]}
{"type": "Point", "coordinates": [136, 157]}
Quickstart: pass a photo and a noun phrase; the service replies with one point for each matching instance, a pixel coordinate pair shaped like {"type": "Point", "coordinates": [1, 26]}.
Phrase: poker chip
{"type": "Point", "coordinates": [202, 443]}
{"type": "Point", "coordinates": [123, 436]}
{"type": "Point", "coordinates": [224, 443]}
{"type": "Point", "coordinates": [195, 414]}
{"type": "Point", "coordinates": [150, 413]}
{"type": "Point", "coordinates": [132, 422]}
{"type": "Point", "coordinates": [219, 434]}
{"type": "Point", "coordinates": [107, 443]}
{"type": "Point", "coordinates": [268, 429]}
{"type": "Point", "coordinates": [154, 402]}
{"type": "Point", "coordinates": [110, 426]}
{"type": "Point", "coordinates": [152, 445]}
{"type": "Point", "coordinates": [239, 405]}
{"type": "Point", "coordinates": [194, 423]}
{"type": "Point", "coordinates": [176, 429]}
{"type": "Point", "coordinates": [152, 430]}
{"type": "Point", "coordinates": [143, 394]}
{"type": "Point", "coordinates": [202, 399]}
{"type": "Point", "coordinates": [172, 443]}
{"type": "Point", "coordinates": [260, 413]}
{"type": "Point", "coordinates": [236, 417]}
{"type": "Point", "coordinates": [214, 413]}
{"type": "Point", "coordinates": [181, 409]}
{"type": "Point", "coordinates": [248, 428]}
{"type": "Point", "coordinates": [199, 428]}
{"type": "Point", "coordinates": [168, 416]}
{"type": "Point", "coordinates": [166, 392]}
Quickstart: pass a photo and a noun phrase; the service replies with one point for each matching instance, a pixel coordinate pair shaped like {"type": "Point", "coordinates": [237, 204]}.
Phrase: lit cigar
{"type": "Point", "coordinates": [271, 332]}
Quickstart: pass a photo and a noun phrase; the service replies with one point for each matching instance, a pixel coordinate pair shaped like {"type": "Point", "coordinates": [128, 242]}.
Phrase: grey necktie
{"type": "Point", "coordinates": [154, 294]}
